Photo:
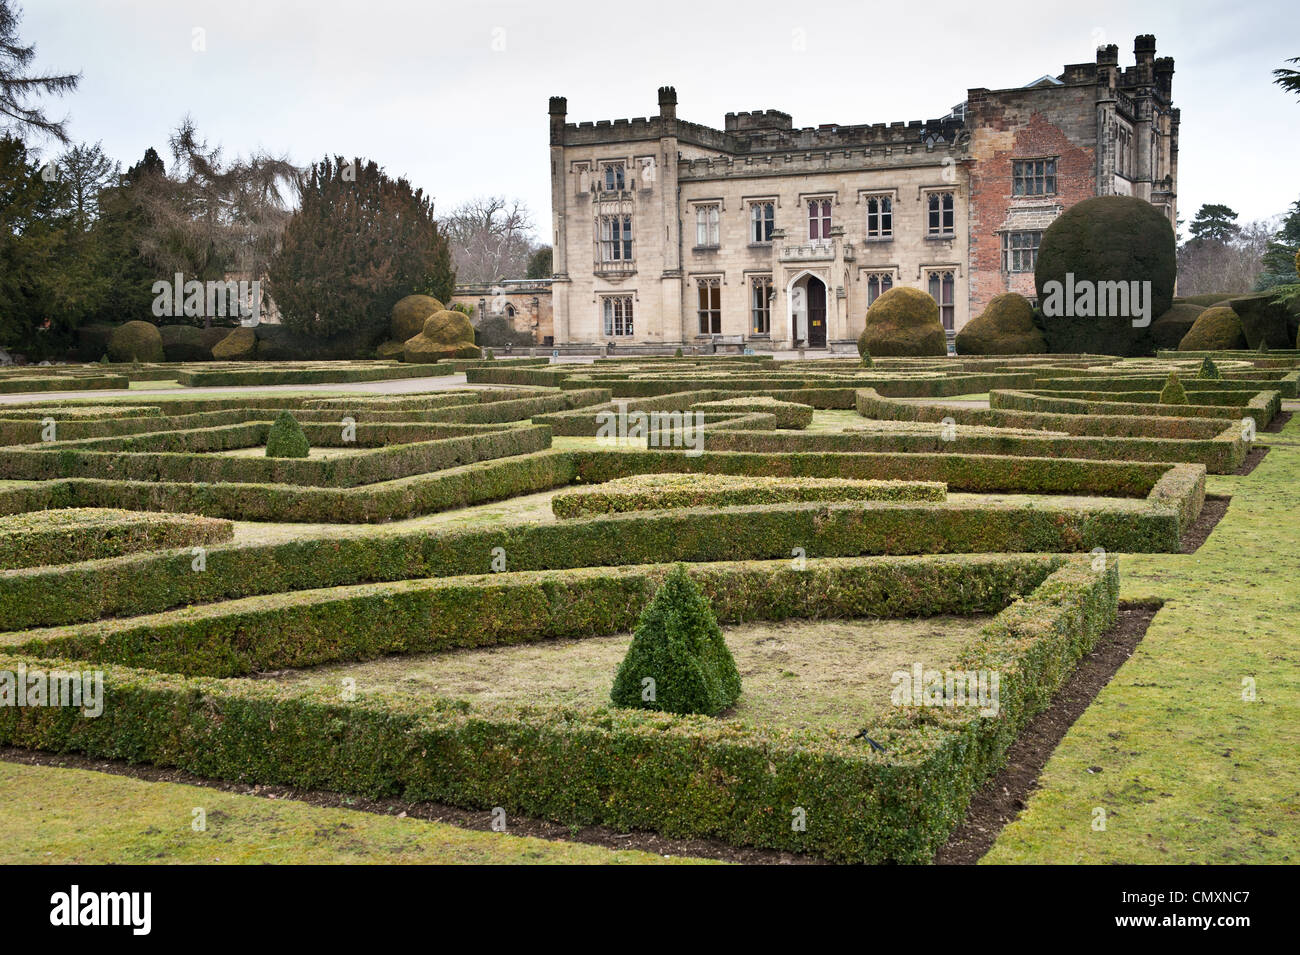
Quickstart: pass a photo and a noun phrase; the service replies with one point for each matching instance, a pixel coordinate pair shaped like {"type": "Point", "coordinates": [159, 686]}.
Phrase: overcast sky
{"type": "Point", "coordinates": [454, 95]}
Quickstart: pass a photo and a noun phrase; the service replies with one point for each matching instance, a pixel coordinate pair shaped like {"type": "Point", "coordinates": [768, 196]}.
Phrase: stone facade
{"type": "Point", "coordinates": [525, 303]}
{"type": "Point", "coordinates": [668, 232]}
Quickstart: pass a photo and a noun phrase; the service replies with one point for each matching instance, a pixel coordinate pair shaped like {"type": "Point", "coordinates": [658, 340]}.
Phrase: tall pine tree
{"type": "Point", "coordinates": [359, 242]}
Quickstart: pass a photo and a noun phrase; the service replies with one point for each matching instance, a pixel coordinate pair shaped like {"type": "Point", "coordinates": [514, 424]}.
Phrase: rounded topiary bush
{"type": "Point", "coordinates": [238, 345]}
{"type": "Point", "coordinates": [1265, 319]}
{"type": "Point", "coordinates": [410, 314]}
{"type": "Point", "coordinates": [184, 343]}
{"type": "Point", "coordinates": [448, 327]}
{"type": "Point", "coordinates": [1205, 301]}
{"type": "Point", "coordinates": [1215, 329]}
{"type": "Point", "coordinates": [286, 438]}
{"type": "Point", "coordinates": [1105, 239]}
{"type": "Point", "coordinates": [1171, 327]}
{"type": "Point", "coordinates": [903, 322]}
{"type": "Point", "coordinates": [136, 341]}
{"type": "Point", "coordinates": [389, 351]}
{"type": "Point", "coordinates": [92, 341]}
{"type": "Point", "coordinates": [678, 661]}
{"type": "Point", "coordinates": [1005, 327]}
{"type": "Point", "coordinates": [1172, 393]}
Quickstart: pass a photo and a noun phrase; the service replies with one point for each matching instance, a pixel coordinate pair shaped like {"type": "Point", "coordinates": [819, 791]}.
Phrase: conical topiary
{"type": "Point", "coordinates": [286, 439]}
{"type": "Point", "coordinates": [678, 661]}
{"type": "Point", "coordinates": [1209, 370]}
{"type": "Point", "coordinates": [1172, 393]}
{"type": "Point", "coordinates": [866, 358]}
{"type": "Point", "coordinates": [1263, 347]}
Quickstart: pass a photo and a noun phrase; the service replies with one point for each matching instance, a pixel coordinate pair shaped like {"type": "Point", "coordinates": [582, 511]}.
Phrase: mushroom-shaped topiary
{"type": "Point", "coordinates": [446, 334]}
{"type": "Point", "coordinates": [678, 661]}
{"type": "Point", "coordinates": [286, 438]}
{"type": "Point", "coordinates": [1172, 327]}
{"type": "Point", "coordinates": [136, 341]}
{"type": "Point", "coordinates": [1005, 327]}
{"type": "Point", "coordinates": [1209, 371]}
{"type": "Point", "coordinates": [903, 322]}
{"type": "Point", "coordinates": [1172, 393]}
{"type": "Point", "coordinates": [410, 314]}
{"type": "Point", "coordinates": [1106, 239]}
{"type": "Point", "coordinates": [239, 345]}
{"type": "Point", "coordinates": [1215, 329]}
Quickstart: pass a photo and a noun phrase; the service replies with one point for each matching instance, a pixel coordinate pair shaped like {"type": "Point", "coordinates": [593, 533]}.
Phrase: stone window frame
{"type": "Point", "coordinates": [614, 250]}
{"type": "Point", "coordinates": [865, 197]}
{"type": "Point", "coordinates": [754, 202]}
{"type": "Point", "coordinates": [606, 166]}
{"type": "Point", "coordinates": [1021, 182]}
{"type": "Point", "coordinates": [826, 220]}
{"type": "Point", "coordinates": [617, 322]}
{"type": "Point", "coordinates": [709, 311]}
{"type": "Point", "coordinates": [703, 225]}
{"type": "Point", "coordinates": [927, 193]}
{"type": "Point", "coordinates": [947, 310]}
{"type": "Point", "coordinates": [880, 276]}
{"type": "Point", "coordinates": [755, 282]}
{"type": "Point", "coordinates": [1011, 254]}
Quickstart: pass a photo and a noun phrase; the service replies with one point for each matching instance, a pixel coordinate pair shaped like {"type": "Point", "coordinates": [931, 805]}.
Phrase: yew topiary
{"type": "Point", "coordinates": [903, 322]}
{"type": "Point", "coordinates": [136, 341]}
{"type": "Point", "coordinates": [1106, 239]}
{"type": "Point", "coordinates": [410, 314]}
{"type": "Point", "coordinates": [183, 343]}
{"type": "Point", "coordinates": [239, 345]}
{"type": "Point", "coordinates": [678, 661]}
{"type": "Point", "coordinates": [1215, 329]}
{"type": "Point", "coordinates": [1172, 327]}
{"type": "Point", "coordinates": [1172, 393]}
{"type": "Point", "coordinates": [286, 438]}
{"type": "Point", "coordinates": [1005, 327]}
{"type": "Point", "coordinates": [1209, 371]}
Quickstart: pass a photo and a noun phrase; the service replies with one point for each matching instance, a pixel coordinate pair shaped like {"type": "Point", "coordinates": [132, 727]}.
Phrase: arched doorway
{"type": "Point", "coordinates": [807, 297]}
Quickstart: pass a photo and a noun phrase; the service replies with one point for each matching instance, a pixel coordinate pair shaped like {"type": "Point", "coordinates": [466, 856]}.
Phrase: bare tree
{"type": "Point", "coordinates": [212, 216]}
{"type": "Point", "coordinates": [16, 87]}
{"type": "Point", "coordinates": [490, 239]}
{"type": "Point", "coordinates": [1207, 266]}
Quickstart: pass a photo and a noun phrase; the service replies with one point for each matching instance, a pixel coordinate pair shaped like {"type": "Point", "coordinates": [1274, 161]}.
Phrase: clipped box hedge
{"type": "Point", "coordinates": [17, 385]}
{"type": "Point", "coordinates": [1263, 407]}
{"type": "Point", "coordinates": [367, 466]}
{"type": "Point", "coordinates": [362, 622]}
{"type": "Point", "coordinates": [153, 583]}
{"type": "Point", "coordinates": [677, 775]}
{"type": "Point", "coordinates": [788, 413]}
{"type": "Point", "coordinates": [42, 538]}
{"type": "Point", "coordinates": [344, 373]}
{"type": "Point", "coordinates": [667, 491]}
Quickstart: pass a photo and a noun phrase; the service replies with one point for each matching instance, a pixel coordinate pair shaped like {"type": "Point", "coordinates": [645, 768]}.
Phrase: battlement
{"type": "Point", "coordinates": [757, 119]}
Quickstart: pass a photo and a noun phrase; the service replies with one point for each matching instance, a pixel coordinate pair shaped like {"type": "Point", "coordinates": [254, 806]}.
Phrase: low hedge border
{"type": "Point", "coordinates": [44, 538]}
{"type": "Point", "coordinates": [1221, 447]}
{"type": "Point", "coordinates": [1262, 408]}
{"type": "Point", "coordinates": [157, 582]}
{"type": "Point", "coordinates": [12, 386]}
{"type": "Point", "coordinates": [1285, 384]}
{"type": "Point", "coordinates": [678, 775]}
{"type": "Point", "coordinates": [361, 622]}
{"type": "Point", "coordinates": [206, 378]}
{"type": "Point", "coordinates": [370, 466]}
{"type": "Point", "coordinates": [789, 414]}
{"type": "Point", "coordinates": [368, 504]}
{"type": "Point", "coordinates": [668, 491]}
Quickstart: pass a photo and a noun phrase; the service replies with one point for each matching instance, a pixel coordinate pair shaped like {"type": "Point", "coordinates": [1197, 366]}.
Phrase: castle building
{"type": "Point", "coordinates": [667, 232]}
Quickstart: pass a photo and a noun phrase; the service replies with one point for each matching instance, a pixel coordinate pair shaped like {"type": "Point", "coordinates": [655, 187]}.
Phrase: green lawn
{"type": "Point", "coordinates": [76, 816]}
{"type": "Point", "coordinates": [1186, 770]}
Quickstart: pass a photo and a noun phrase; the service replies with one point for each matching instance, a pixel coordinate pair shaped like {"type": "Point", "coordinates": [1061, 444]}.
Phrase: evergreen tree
{"type": "Point", "coordinates": [1279, 258]}
{"type": "Point", "coordinates": [1214, 222]}
{"type": "Point", "coordinates": [16, 86]}
{"type": "Point", "coordinates": [540, 264]}
{"type": "Point", "coordinates": [359, 242]}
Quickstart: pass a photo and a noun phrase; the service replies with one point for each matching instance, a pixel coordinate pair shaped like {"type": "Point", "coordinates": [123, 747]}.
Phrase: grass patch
{"type": "Point", "coordinates": [796, 674]}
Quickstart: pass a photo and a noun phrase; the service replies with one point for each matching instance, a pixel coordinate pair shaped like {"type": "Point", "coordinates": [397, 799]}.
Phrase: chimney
{"type": "Point", "coordinates": [667, 102]}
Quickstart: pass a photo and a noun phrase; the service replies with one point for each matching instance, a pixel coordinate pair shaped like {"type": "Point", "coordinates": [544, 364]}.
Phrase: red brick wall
{"type": "Point", "coordinates": [1022, 124]}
